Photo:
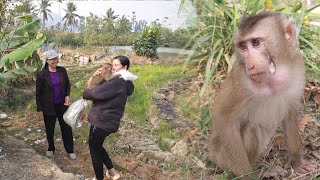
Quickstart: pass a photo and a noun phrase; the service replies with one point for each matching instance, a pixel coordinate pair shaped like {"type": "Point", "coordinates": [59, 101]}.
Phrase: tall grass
{"type": "Point", "coordinates": [218, 20]}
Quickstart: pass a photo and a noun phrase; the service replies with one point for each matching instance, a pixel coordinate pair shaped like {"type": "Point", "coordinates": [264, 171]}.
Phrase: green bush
{"type": "Point", "coordinates": [177, 38]}
{"type": "Point", "coordinates": [148, 42]}
{"type": "Point", "coordinates": [16, 93]}
{"type": "Point", "coordinates": [69, 39]}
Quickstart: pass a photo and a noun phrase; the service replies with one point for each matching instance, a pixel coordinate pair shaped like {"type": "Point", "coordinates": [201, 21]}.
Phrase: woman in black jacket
{"type": "Point", "coordinates": [109, 100]}
{"type": "Point", "coordinates": [52, 99]}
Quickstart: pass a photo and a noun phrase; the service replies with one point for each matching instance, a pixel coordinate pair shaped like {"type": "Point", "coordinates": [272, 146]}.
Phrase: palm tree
{"type": "Point", "coordinates": [109, 19]}
{"type": "Point", "coordinates": [60, 1]}
{"type": "Point", "coordinates": [44, 11]}
{"type": "Point", "coordinates": [110, 15]}
{"type": "Point", "coordinates": [70, 17]}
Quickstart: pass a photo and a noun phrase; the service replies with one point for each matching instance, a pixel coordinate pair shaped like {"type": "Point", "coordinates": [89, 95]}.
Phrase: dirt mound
{"type": "Point", "coordinates": [20, 161]}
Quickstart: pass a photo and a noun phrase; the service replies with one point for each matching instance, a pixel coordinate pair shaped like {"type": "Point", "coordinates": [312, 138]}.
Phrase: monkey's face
{"type": "Point", "coordinates": [106, 69]}
{"type": "Point", "coordinates": [264, 72]}
{"type": "Point", "coordinates": [255, 57]}
{"type": "Point", "coordinates": [265, 50]}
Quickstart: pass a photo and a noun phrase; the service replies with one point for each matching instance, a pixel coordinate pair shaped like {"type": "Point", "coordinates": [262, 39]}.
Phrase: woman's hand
{"type": "Point", "coordinates": [67, 101]}
{"type": "Point", "coordinates": [40, 116]}
{"type": "Point", "coordinates": [83, 117]}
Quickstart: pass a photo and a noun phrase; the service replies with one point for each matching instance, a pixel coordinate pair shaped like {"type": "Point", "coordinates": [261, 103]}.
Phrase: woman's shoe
{"type": "Point", "coordinates": [49, 154]}
{"type": "Point", "coordinates": [73, 156]}
{"type": "Point", "coordinates": [91, 178]}
{"type": "Point", "coordinates": [115, 177]}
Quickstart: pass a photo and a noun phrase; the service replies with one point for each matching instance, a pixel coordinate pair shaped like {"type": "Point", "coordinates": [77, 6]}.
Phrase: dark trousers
{"type": "Point", "coordinates": [99, 155]}
{"type": "Point", "coordinates": [66, 130]}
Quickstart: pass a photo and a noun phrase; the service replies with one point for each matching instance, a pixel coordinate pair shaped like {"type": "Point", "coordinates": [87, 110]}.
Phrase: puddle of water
{"type": "Point", "coordinates": [163, 52]}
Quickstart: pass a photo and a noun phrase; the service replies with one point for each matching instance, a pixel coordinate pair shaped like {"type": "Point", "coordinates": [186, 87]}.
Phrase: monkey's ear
{"type": "Point", "coordinates": [290, 32]}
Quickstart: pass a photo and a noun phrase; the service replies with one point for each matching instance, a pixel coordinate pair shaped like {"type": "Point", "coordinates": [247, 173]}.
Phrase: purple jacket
{"type": "Point", "coordinates": [109, 100]}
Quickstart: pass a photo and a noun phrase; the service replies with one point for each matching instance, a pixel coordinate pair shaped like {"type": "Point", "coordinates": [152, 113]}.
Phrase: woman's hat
{"type": "Point", "coordinates": [51, 54]}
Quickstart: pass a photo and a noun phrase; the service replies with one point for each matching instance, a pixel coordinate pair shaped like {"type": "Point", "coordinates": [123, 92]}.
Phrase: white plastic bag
{"type": "Point", "coordinates": [73, 114]}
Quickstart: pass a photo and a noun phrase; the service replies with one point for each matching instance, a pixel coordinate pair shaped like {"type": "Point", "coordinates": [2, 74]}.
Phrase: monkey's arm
{"type": "Point", "coordinates": [94, 81]}
{"type": "Point", "coordinates": [293, 139]}
{"type": "Point", "coordinates": [228, 151]}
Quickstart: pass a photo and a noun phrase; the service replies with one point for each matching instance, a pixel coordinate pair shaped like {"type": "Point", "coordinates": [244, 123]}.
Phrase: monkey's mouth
{"type": "Point", "coordinates": [257, 77]}
{"type": "Point", "coordinates": [256, 74]}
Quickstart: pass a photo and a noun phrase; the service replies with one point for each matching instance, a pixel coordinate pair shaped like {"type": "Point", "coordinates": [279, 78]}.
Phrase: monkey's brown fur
{"type": "Point", "coordinates": [253, 102]}
{"type": "Point", "coordinates": [105, 75]}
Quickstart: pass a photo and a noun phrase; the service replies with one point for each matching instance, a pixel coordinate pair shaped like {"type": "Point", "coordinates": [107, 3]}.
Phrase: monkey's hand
{"type": "Point", "coordinates": [303, 166]}
{"type": "Point", "coordinates": [98, 72]}
{"type": "Point", "coordinates": [274, 172]}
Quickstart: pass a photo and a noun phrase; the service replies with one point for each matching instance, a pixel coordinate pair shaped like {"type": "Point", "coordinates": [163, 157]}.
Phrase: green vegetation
{"type": "Point", "coordinates": [70, 17]}
{"type": "Point", "coordinates": [15, 94]}
{"type": "Point", "coordinates": [18, 49]}
{"type": "Point", "coordinates": [148, 42]}
{"type": "Point", "coordinates": [165, 131]}
{"type": "Point", "coordinates": [218, 21]}
{"type": "Point", "coordinates": [150, 78]}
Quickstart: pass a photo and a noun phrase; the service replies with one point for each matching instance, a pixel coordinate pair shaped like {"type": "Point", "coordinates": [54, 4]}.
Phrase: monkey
{"type": "Point", "coordinates": [102, 74]}
{"type": "Point", "coordinates": [262, 92]}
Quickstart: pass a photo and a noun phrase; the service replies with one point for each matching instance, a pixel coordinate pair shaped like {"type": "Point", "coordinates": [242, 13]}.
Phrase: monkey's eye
{"type": "Point", "coordinates": [256, 42]}
{"type": "Point", "coordinates": [242, 46]}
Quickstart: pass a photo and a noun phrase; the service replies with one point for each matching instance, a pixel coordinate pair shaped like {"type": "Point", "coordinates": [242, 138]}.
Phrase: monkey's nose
{"type": "Point", "coordinates": [251, 67]}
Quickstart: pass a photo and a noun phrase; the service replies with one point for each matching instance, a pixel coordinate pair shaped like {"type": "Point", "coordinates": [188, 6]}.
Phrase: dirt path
{"type": "Point", "coordinates": [20, 161]}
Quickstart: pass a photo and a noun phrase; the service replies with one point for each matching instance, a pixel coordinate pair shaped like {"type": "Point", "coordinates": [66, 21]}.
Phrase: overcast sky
{"type": "Point", "coordinates": [148, 10]}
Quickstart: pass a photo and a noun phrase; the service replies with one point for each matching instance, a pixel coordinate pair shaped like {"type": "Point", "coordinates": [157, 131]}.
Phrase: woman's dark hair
{"type": "Point", "coordinates": [123, 60]}
{"type": "Point", "coordinates": [46, 65]}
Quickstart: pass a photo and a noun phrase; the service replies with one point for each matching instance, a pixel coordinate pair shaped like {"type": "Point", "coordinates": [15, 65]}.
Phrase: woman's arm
{"type": "Point", "coordinates": [105, 91]}
{"type": "Point", "coordinates": [68, 86]}
{"type": "Point", "coordinates": [39, 88]}
{"type": "Point", "coordinates": [67, 89]}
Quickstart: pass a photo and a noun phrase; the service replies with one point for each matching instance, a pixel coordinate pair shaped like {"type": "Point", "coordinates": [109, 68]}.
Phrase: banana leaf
{"type": "Point", "coordinates": [6, 45]}
{"type": "Point", "coordinates": [28, 28]}
{"type": "Point", "coordinates": [22, 52]}
{"type": "Point", "coordinates": [27, 17]}
{"type": "Point", "coordinates": [6, 76]}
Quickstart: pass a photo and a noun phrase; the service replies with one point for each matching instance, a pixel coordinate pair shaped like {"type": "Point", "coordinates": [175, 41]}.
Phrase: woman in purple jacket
{"type": "Point", "coordinates": [52, 99]}
{"type": "Point", "coordinates": [109, 100]}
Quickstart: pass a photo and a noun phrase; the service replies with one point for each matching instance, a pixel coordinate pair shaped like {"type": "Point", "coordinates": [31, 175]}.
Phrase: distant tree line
{"type": "Point", "coordinates": [78, 31]}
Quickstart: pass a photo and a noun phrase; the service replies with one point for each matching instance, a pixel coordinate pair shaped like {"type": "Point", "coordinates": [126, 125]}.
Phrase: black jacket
{"type": "Point", "coordinates": [109, 100]}
{"type": "Point", "coordinates": [44, 95]}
